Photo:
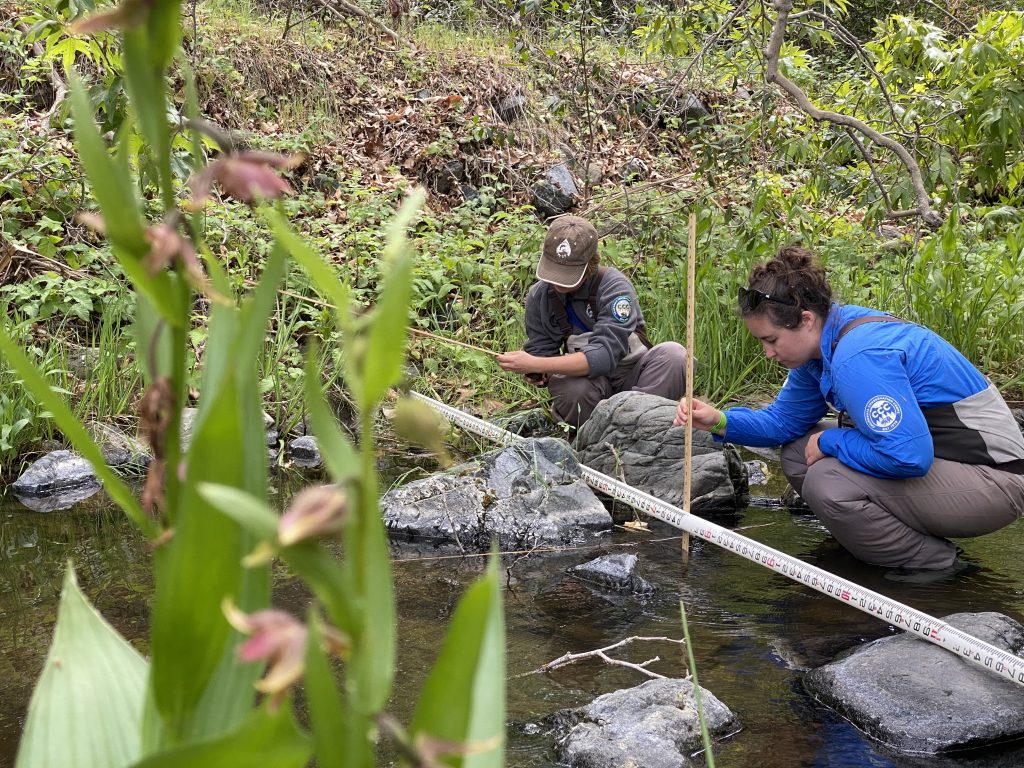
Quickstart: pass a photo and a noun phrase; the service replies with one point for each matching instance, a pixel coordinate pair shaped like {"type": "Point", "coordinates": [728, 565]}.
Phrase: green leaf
{"type": "Point", "coordinates": [339, 456]}
{"type": "Point", "coordinates": [267, 739]}
{"type": "Point", "coordinates": [341, 736]}
{"type": "Point", "coordinates": [251, 513]}
{"type": "Point", "coordinates": [144, 81]}
{"type": "Point", "coordinates": [463, 699]}
{"type": "Point", "coordinates": [110, 182]}
{"type": "Point", "coordinates": [385, 348]}
{"type": "Point", "coordinates": [75, 432]}
{"type": "Point", "coordinates": [323, 277]}
{"type": "Point", "coordinates": [87, 705]}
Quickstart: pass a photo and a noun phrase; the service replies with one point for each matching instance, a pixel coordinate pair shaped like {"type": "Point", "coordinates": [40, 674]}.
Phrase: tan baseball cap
{"type": "Point", "coordinates": [568, 247]}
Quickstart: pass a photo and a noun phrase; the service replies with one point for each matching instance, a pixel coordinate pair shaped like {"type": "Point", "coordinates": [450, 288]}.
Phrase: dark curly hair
{"type": "Point", "coordinates": [796, 282]}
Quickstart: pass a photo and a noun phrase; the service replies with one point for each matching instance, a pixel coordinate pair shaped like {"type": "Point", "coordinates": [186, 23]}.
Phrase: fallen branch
{"type": "Point", "coordinates": [355, 10]}
{"type": "Point", "coordinates": [773, 52]}
{"type": "Point", "coordinates": [601, 653]}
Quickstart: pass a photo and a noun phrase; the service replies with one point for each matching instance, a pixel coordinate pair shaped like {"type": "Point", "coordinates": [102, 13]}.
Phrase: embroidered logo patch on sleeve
{"type": "Point", "coordinates": [622, 308]}
{"type": "Point", "coordinates": [882, 413]}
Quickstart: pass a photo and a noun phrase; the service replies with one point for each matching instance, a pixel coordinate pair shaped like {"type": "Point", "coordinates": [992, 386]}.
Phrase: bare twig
{"type": "Point", "coordinates": [354, 10]}
{"type": "Point", "coordinates": [602, 653]}
{"type": "Point", "coordinates": [783, 8]}
{"type": "Point", "coordinates": [60, 88]}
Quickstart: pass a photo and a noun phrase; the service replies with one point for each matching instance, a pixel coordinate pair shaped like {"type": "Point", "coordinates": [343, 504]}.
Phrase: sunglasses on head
{"type": "Point", "coordinates": [750, 299]}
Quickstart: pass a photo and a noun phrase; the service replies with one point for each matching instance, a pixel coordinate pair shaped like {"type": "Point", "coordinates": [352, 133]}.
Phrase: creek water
{"type": "Point", "coordinates": [753, 631]}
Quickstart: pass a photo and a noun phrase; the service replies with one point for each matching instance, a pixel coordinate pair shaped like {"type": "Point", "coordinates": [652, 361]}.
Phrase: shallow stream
{"type": "Point", "coordinates": [752, 630]}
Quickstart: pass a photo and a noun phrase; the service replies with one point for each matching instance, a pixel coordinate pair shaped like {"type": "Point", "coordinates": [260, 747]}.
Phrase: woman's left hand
{"type": "Point", "coordinates": [812, 452]}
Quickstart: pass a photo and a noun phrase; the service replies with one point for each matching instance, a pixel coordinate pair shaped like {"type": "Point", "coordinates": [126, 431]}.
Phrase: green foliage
{"type": "Point", "coordinates": [207, 502]}
{"type": "Point", "coordinates": [89, 698]}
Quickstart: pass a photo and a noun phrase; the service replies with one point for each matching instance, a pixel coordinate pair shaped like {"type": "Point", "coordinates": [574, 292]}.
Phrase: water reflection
{"type": "Point", "coordinates": [754, 631]}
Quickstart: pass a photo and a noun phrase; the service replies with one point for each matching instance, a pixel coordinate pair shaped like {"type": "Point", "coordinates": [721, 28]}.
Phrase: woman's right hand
{"type": "Point", "coordinates": [704, 416]}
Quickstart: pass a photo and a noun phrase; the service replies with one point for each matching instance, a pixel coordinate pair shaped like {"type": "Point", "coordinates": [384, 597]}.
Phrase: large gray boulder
{"type": "Point", "coordinates": [523, 495]}
{"type": "Point", "coordinates": [917, 698]}
{"type": "Point", "coordinates": [59, 480]}
{"type": "Point", "coordinates": [654, 725]}
{"type": "Point", "coordinates": [630, 436]}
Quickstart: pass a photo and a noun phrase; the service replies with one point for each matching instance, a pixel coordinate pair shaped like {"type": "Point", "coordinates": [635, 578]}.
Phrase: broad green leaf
{"type": "Point", "coordinates": [87, 705]}
{"type": "Point", "coordinates": [251, 513]}
{"type": "Point", "coordinates": [341, 736]}
{"type": "Point", "coordinates": [463, 699]}
{"type": "Point", "coordinates": [75, 432]}
{"type": "Point", "coordinates": [200, 567]}
{"type": "Point", "coordinates": [266, 739]}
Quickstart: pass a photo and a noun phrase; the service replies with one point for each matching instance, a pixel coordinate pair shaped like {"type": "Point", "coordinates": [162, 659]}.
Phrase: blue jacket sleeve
{"type": "Point", "coordinates": [892, 438]}
{"type": "Point", "coordinates": [798, 407]}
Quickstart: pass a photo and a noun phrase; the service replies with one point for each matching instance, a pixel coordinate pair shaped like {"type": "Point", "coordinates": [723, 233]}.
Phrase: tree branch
{"type": "Point", "coordinates": [355, 10]}
{"type": "Point", "coordinates": [773, 53]}
{"type": "Point", "coordinates": [601, 653]}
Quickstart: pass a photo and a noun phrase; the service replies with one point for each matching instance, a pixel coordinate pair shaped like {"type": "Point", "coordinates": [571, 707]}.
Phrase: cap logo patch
{"type": "Point", "coordinates": [622, 308]}
{"type": "Point", "coordinates": [564, 250]}
{"type": "Point", "coordinates": [882, 413]}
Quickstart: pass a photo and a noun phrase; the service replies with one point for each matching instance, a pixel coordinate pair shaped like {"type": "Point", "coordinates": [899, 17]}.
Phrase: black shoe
{"type": "Point", "coordinates": [929, 576]}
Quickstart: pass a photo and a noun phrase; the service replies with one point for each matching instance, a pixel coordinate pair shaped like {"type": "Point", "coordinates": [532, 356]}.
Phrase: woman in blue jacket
{"type": "Point", "coordinates": [925, 447]}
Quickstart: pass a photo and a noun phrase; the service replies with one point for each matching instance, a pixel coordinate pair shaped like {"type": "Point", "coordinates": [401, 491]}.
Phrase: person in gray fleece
{"type": "Point", "coordinates": [586, 336]}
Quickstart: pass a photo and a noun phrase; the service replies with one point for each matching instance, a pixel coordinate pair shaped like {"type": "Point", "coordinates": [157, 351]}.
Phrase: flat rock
{"type": "Point", "coordinates": [653, 725]}
{"type": "Point", "coordinates": [917, 698]}
{"type": "Point", "coordinates": [523, 495]}
{"type": "Point", "coordinates": [616, 572]}
{"type": "Point", "coordinates": [630, 436]}
{"type": "Point", "coordinates": [56, 472]}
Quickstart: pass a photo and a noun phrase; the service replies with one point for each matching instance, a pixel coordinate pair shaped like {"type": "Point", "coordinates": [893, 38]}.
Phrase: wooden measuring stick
{"type": "Point", "coordinates": [691, 276]}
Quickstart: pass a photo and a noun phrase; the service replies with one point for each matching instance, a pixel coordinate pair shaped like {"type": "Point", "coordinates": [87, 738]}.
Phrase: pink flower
{"type": "Point", "coordinates": [314, 512]}
{"type": "Point", "coordinates": [247, 176]}
{"type": "Point", "coordinates": [280, 640]}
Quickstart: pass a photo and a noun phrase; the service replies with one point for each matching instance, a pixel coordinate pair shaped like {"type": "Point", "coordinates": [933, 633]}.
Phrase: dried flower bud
{"type": "Point", "coordinates": [314, 512]}
{"type": "Point", "coordinates": [128, 15]}
{"type": "Point", "coordinates": [246, 176]}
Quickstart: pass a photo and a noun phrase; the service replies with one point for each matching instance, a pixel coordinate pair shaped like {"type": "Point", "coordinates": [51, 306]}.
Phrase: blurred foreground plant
{"type": "Point", "coordinates": [205, 509]}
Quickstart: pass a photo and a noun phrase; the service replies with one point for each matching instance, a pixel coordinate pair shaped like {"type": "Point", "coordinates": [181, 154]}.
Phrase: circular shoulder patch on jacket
{"type": "Point", "coordinates": [622, 308]}
{"type": "Point", "coordinates": [882, 413]}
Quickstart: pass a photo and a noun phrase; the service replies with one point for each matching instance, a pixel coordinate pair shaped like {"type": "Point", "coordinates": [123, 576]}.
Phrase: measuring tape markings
{"type": "Point", "coordinates": [928, 627]}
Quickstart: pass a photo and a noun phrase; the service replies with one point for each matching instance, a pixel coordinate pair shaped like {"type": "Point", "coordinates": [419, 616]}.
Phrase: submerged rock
{"type": "Point", "coordinates": [523, 495]}
{"type": "Point", "coordinates": [57, 472]}
{"type": "Point", "coordinates": [654, 725]}
{"type": "Point", "coordinates": [915, 697]}
{"type": "Point", "coordinates": [616, 572]}
{"type": "Point", "coordinates": [630, 436]}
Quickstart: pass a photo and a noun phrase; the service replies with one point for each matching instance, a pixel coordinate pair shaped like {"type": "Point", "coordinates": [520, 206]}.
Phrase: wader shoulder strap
{"type": "Point", "coordinates": [557, 304]}
{"type": "Point", "coordinates": [861, 321]}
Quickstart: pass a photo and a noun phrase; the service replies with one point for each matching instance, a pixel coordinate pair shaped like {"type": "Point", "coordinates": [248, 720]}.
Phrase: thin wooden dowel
{"type": "Point", "coordinates": [691, 277]}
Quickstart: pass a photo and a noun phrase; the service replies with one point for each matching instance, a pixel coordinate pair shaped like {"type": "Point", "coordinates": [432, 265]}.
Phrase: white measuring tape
{"type": "Point", "coordinates": [934, 630]}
